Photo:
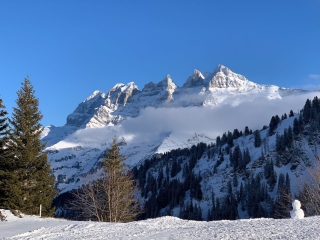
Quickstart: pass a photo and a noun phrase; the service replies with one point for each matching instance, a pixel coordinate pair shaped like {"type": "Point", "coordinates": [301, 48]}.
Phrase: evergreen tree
{"type": "Point", "coordinates": [230, 139]}
{"type": "Point", "coordinates": [257, 139]}
{"type": "Point", "coordinates": [3, 150]}
{"type": "Point", "coordinates": [296, 126]}
{"type": "Point", "coordinates": [307, 111]}
{"type": "Point", "coordinates": [235, 180]}
{"type": "Point", "coordinates": [273, 177]}
{"type": "Point", "coordinates": [3, 131]}
{"type": "Point", "coordinates": [285, 116]}
{"type": "Point", "coordinates": [291, 114]}
{"type": "Point", "coordinates": [236, 134]}
{"type": "Point", "coordinates": [3, 127]}
{"type": "Point", "coordinates": [272, 125]}
{"type": "Point", "coordinates": [119, 187]}
{"type": "Point", "coordinates": [111, 198]}
{"type": "Point", "coordinates": [28, 180]}
{"type": "Point", "coordinates": [246, 131]}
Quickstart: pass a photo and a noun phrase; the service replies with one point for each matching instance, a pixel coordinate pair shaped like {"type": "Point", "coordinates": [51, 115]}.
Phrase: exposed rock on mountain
{"type": "Point", "coordinates": [75, 149]}
{"type": "Point", "coordinates": [126, 100]}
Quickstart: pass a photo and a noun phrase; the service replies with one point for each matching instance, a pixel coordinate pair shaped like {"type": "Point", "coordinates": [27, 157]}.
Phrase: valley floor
{"type": "Point", "coordinates": [32, 227]}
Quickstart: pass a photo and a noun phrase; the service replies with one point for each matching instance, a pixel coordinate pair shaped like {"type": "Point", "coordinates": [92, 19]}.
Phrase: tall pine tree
{"type": "Point", "coordinates": [3, 149]}
{"type": "Point", "coordinates": [119, 188]}
{"type": "Point", "coordinates": [29, 181]}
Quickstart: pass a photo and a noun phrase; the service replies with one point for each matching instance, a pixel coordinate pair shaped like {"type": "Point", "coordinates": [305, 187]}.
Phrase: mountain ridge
{"type": "Point", "coordinates": [126, 100]}
{"type": "Point", "coordinates": [75, 149]}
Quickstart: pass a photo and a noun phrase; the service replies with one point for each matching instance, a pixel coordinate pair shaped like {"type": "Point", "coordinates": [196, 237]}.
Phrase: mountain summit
{"type": "Point", "coordinates": [200, 89]}
{"type": "Point", "coordinates": [145, 120]}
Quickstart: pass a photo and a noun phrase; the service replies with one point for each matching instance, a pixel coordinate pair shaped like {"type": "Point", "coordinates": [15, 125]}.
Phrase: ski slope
{"type": "Point", "coordinates": [33, 227]}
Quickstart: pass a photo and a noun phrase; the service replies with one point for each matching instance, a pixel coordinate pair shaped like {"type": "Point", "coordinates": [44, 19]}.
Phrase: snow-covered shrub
{"type": "Point", "coordinates": [16, 213]}
{"type": "Point", "coordinates": [2, 217]}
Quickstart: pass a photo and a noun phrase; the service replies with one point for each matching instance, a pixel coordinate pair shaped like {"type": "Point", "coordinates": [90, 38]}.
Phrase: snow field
{"type": "Point", "coordinates": [169, 228]}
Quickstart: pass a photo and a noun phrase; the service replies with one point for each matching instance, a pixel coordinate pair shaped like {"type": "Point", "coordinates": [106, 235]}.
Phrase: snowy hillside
{"type": "Point", "coordinates": [32, 227]}
{"type": "Point", "coordinates": [159, 118]}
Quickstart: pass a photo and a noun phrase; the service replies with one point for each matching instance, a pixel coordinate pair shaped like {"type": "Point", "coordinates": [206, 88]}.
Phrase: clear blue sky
{"type": "Point", "coordinates": [71, 48]}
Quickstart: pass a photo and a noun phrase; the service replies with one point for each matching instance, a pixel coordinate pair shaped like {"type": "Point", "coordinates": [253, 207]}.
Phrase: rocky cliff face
{"type": "Point", "coordinates": [126, 100]}
{"type": "Point", "coordinates": [223, 77]}
{"type": "Point", "coordinates": [75, 149]}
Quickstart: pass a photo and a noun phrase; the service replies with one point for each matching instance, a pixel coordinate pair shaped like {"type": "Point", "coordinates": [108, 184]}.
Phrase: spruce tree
{"type": "Point", "coordinates": [119, 188]}
{"type": "Point", "coordinates": [257, 139]}
{"type": "Point", "coordinates": [291, 114]}
{"type": "Point", "coordinates": [3, 130]}
{"type": "Point", "coordinates": [3, 126]}
{"type": "Point", "coordinates": [3, 149]}
{"type": "Point", "coordinates": [246, 131]}
{"type": "Point", "coordinates": [296, 126]}
{"type": "Point", "coordinates": [29, 181]}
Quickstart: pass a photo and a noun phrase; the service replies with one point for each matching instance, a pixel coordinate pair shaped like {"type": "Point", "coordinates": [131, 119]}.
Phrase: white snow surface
{"type": "Point", "coordinates": [33, 227]}
{"type": "Point", "coordinates": [162, 117]}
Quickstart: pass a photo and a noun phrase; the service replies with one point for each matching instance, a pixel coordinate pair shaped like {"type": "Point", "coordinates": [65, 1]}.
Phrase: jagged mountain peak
{"type": "Point", "coordinates": [95, 94]}
{"type": "Point", "coordinates": [223, 77]}
{"type": "Point", "coordinates": [124, 87]}
{"type": "Point", "coordinates": [197, 79]}
{"type": "Point", "coordinates": [197, 74]}
{"type": "Point", "coordinates": [201, 88]}
{"type": "Point", "coordinates": [166, 84]}
{"type": "Point", "coordinates": [221, 68]}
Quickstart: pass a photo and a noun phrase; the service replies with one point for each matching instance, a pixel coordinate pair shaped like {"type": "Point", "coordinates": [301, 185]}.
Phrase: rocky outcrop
{"type": "Point", "coordinates": [223, 77]}
{"type": "Point", "coordinates": [197, 79]}
{"type": "Point", "coordinates": [200, 89]}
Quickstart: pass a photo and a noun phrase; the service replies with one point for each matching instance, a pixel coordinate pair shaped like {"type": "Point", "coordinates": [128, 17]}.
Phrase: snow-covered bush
{"type": "Point", "coordinates": [2, 217]}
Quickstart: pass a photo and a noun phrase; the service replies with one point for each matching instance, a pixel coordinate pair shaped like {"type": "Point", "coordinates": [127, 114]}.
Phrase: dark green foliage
{"type": "Point", "coordinates": [26, 180]}
{"type": "Point", "coordinates": [256, 195]}
{"type": "Point", "coordinates": [284, 116]}
{"type": "Point", "coordinates": [235, 180]}
{"type": "Point", "coordinates": [230, 139]}
{"type": "Point", "coordinates": [246, 131]}
{"type": "Point", "coordinates": [162, 191]}
{"type": "Point", "coordinates": [3, 127]}
{"type": "Point", "coordinates": [224, 139]}
{"type": "Point", "coordinates": [238, 159]}
{"type": "Point", "coordinates": [279, 143]}
{"type": "Point", "coordinates": [275, 120]}
{"type": "Point", "coordinates": [3, 150]}
{"type": "Point", "coordinates": [283, 200]}
{"type": "Point", "coordinates": [272, 180]}
{"type": "Point", "coordinates": [296, 126]}
{"type": "Point", "coordinates": [291, 114]}
{"type": "Point", "coordinates": [242, 197]}
{"type": "Point", "coordinates": [257, 139]}
{"type": "Point", "coordinates": [252, 192]}
{"type": "Point", "coordinates": [191, 212]}
{"type": "Point", "coordinates": [218, 141]}
{"type": "Point", "coordinates": [307, 111]}
{"type": "Point", "coordinates": [236, 134]}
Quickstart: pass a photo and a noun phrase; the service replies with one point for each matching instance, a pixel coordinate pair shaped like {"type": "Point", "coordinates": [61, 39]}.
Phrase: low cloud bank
{"type": "Point", "coordinates": [154, 124]}
{"type": "Point", "coordinates": [213, 121]}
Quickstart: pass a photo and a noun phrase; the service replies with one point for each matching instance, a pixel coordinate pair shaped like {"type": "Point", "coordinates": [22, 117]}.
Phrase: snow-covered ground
{"type": "Point", "coordinates": [33, 227]}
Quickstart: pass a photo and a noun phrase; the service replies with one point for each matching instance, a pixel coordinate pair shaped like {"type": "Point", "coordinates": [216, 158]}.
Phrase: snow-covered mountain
{"type": "Point", "coordinates": [75, 149]}
{"type": "Point", "coordinates": [200, 89]}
